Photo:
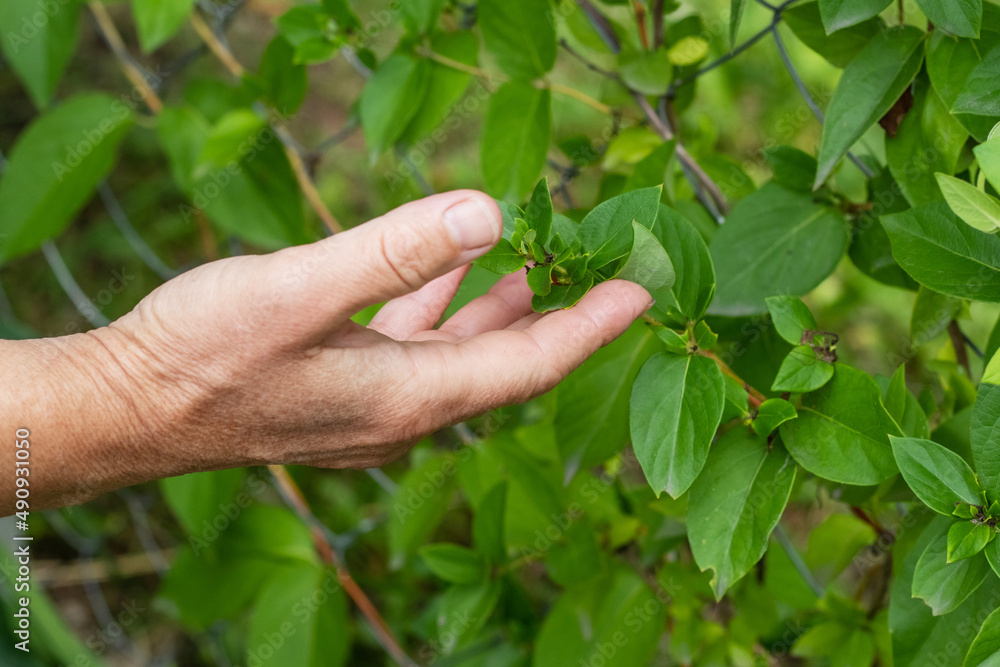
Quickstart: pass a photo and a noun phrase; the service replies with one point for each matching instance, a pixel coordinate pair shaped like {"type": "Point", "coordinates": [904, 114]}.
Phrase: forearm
{"type": "Point", "coordinates": [83, 407]}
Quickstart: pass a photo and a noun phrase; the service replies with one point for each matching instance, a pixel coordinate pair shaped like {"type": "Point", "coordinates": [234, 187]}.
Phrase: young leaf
{"type": "Point", "coordinates": [944, 254]}
{"type": "Point", "coordinates": [454, 563]}
{"type": "Point", "coordinates": [540, 279]}
{"type": "Point", "coordinates": [520, 34]}
{"type": "Point", "coordinates": [938, 476]}
{"type": "Point", "coordinates": [391, 99]}
{"type": "Point", "coordinates": [963, 18]}
{"type": "Point", "coordinates": [648, 263]}
{"type": "Point", "coordinates": [515, 138]}
{"type": "Point", "coordinates": [972, 205]}
{"type": "Point", "coordinates": [538, 213]}
{"type": "Point", "coordinates": [841, 433]}
{"type": "Point", "coordinates": [985, 430]}
{"type": "Point", "coordinates": [488, 524]}
{"type": "Point", "coordinates": [838, 14]}
{"type": "Point", "coordinates": [943, 586]}
{"type": "Point", "coordinates": [502, 259]}
{"type": "Point", "coordinates": [771, 414]}
{"type": "Point", "coordinates": [791, 318]}
{"type": "Point", "coordinates": [606, 232]}
{"type": "Point", "coordinates": [966, 539]}
{"type": "Point", "coordinates": [870, 85]}
{"type": "Point", "coordinates": [561, 296]}
{"type": "Point", "coordinates": [158, 20]}
{"type": "Point", "coordinates": [676, 406]}
{"type": "Point", "coordinates": [802, 371]}
{"type": "Point", "coordinates": [55, 166]}
{"type": "Point", "coordinates": [694, 276]}
{"type": "Point", "coordinates": [39, 58]}
{"type": "Point", "coordinates": [735, 504]}
{"type": "Point", "coordinates": [985, 649]}
{"type": "Point", "coordinates": [775, 241]}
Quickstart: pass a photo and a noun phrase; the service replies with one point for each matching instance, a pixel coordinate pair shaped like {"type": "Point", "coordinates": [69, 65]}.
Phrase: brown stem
{"type": "Point", "coordinates": [640, 20]}
{"type": "Point", "coordinates": [657, 10]}
{"type": "Point", "coordinates": [110, 33]}
{"type": "Point", "coordinates": [328, 555]}
{"type": "Point", "coordinates": [864, 516]}
{"type": "Point", "coordinates": [754, 396]}
{"type": "Point", "coordinates": [958, 343]}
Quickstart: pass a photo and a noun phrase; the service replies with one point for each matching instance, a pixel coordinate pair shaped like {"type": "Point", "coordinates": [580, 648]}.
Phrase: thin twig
{"type": "Point", "coordinates": [724, 59]}
{"type": "Point", "coordinates": [293, 496]}
{"type": "Point", "coordinates": [958, 344]}
{"type": "Point", "coordinates": [108, 31]}
{"type": "Point", "coordinates": [753, 395]}
{"type": "Point", "coordinates": [215, 45]}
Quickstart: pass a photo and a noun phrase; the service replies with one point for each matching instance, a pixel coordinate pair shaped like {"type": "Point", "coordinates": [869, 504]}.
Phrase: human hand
{"type": "Point", "coordinates": [254, 359]}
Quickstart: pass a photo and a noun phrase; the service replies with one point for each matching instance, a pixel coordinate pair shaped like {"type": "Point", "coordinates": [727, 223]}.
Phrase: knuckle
{"type": "Point", "coordinates": [405, 251]}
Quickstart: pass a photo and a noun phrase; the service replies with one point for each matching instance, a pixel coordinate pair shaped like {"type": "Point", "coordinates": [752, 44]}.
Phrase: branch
{"type": "Point", "coordinates": [108, 31]}
{"type": "Point", "coordinates": [958, 343]}
{"type": "Point", "coordinates": [72, 289]}
{"type": "Point", "coordinates": [132, 237]}
{"type": "Point", "coordinates": [754, 396]}
{"type": "Point", "coordinates": [293, 496]}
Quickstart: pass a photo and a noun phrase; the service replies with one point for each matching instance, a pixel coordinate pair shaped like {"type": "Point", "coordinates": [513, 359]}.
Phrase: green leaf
{"type": "Point", "coordinates": [791, 318]}
{"type": "Point", "coordinates": [341, 12]}
{"type": "Point", "coordinates": [198, 499]}
{"type": "Point", "coordinates": [931, 314]}
{"type": "Point", "coordinates": [391, 99]}
{"type": "Point", "coordinates": [592, 405]}
{"type": "Point", "coordinates": [938, 476]}
{"type": "Point", "coordinates": [648, 263]}
{"type": "Point", "coordinates": [771, 414]}
{"type": "Point", "coordinates": [300, 618]}
{"type": "Point", "coordinates": [284, 81]}
{"type": "Point", "coordinates": [589, 617]}
{"type": "Point", "coordinates": [445, 86]}
{"type": "Point", "coordinates": [538, 213]}
{"type": "Point", "coordinates": [561, 296]}
{"type": "Point", "coordinates": [838, 14]}
{"type": "Point", "coordinates": [988, 156]}
{"type": "Point", "coordinates": [985, 430]}
{"type": "Point", "coordinates": [540, 279]}
{"type": "Point", "coordinates": [488, 524]}
{"type": "Point", "coordinates": [454, 563]}
{"type": "Point", "coordinates": [822, 640]}
{"type": "Point", "coordinates": [842, 431]}
{"type": "Point", "coordinates": [694, 276]}
{"type": "Point", "coordinates": [38, 51]}
{"type": "Point", "coordinates": [158, 20]}
{"type": "Point", "coordinates": [870, 85]}
{"type": "Point", "coordinates": [840, 48]}
{"type": "Point", "coordinates": [963, 18]}
{"type": "Point", "coordinates": [793, 169]}
{"type": "Point", "coordinates": [966, 539]}
{"type": "Point", "coordinates": [649, 72]}
{"type": "Point", "coordinates": [944, 254]}
{"type": "Point", "coordinates": [502, 259]}
{"type": "Point", "coordinates": [55, 166]}
{"type": "Point", "coordinates": [418, 506]}
{"type": "Point", "coordinates": [976, 208]}
{"type": "Point", "coordinates": [904, 407]}
{"type": "Point", "coordinates": [928, 123]}
{"type": "Point", "coordinates": [802, 371]}
{"type": "Point", "coordinates": [980, 96]}
{"type": "Point", "coordinates": [736, 503]}
{"type": "Point", "coordinates": [944, 586]}
{"type": "Point", "coordinates": [985, 649]}
{"type": "Point", "coordinates": [774, 242]}
{"type": "Point", "coordinates": [520, 35]}
{"type": "Point", "coordinates": [736, 8]}
{"type": "Point", "coordinates": [515, 138]}
{"type": "Point", "coordinates": [950, 62]}
{"type": "Point", "coordinates": [606, 232]}
{"type": "Point", "coordinates": [676, 406]}
{"type": "Point", "coordinates": [229, 140]}
{"type": "Point", "coordinates": [651, 170]}
{"type": "Point", "coordinates": [421, 15]}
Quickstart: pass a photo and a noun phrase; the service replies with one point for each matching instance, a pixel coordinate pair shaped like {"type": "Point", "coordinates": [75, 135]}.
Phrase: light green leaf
{"type": "Point", "coordinates": [938, 476]}
{"type": "Point", "coordinates": [966, 539]}
{"type": "Point", "coordinates": [842, 431]}
{"type": "Point", "coordinates": [978, 209]}
{"type": "Point", "coordinates": [870, 85]}
{"type": "Point", "coordinates": [158, 20]}
{"type": "Point", "coordinates": [791, 318]}
{"type": "Point", "coordinates": [963, 18]}
{"type": "Point", "coordinates": [606, 232]}
{"type": "Point", "coordinates": [229, 140]}
{"type": "Point", "coordinates": [944, 254]}
{"type": "Point", "coordinates": [445, 85]}
{"type": "Point", "coordinates": [587, 618]}
{"type": "Point", "coordinates": [515, 138]}
{"type": "Point", "coordinates": [421, 15]}
{"type": "Point", "coordinates": [944, 586]}
{"type": "Point", "coordinates": [502, 259]}
{"type": "Point", "coordinates": [736, 503]}
{"type": "Point", "coordinates": [55, 166]}
{"type": "Point", "coordinates": [199, 498]}
{"type": "Point", "coordinates": [676, 406]}
{"type": "Point", "coordinates": [649, 72]}
{"type": "Point", "coordinates": [981, 96]}
{"type": "Point", "coordinates": [391, 99]}
{"type": "Point", "coordinates": [988, 155]}
{"type": "Point", "coordinates": [802, 371]}
{"type": "Point", "coordinates": [838, 14]}
{"type": "Point", "coordinates": [985, 649]}
{"type": "Point", "coordinates": [775, 241]}
{"type": "Point", "coordinates": [540, 279]}
{"type": "Point", "coordinates": [284, 81]}
{"type": "Point", "coordinates": [454, 563]}
{"type": "Point", "coordinates": [38, 54]}
{"type": "Point", "coordinates": [694, 276]}
{"type": "Point", "coordinates": [520, 34]}
{"type": "Point", "coordinates": [771, 414]}
{"type": "Point", "coordinates": [840, 48]}
{"type": "Point", "coordinates": [648, 263]}
{"type": "Point", "coordinates": [538, 213]}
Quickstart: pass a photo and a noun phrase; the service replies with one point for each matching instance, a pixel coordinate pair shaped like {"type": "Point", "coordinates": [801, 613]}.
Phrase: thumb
{"type": "Point", "coordinates": [401, 251]}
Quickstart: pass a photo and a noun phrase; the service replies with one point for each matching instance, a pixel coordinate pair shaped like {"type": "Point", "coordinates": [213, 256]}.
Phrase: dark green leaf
{"type": "Point", "coordinates": [839, 48]}
{"type": "Point", "coordinates": [793, 169]}
{"type": "Point", "coordinates": [985, 430]}
{"type": "Point", "coordinates": [158, 20]}
{"type": "Point", "coordinates": [959, 17]}
{"type": "Point", "coordinates": [391, 99]}
{"type": "Point", "coordinates": [802, 371]}
{"type": "Point", "coordinates": [842, 431]}
{"type": "Point", "coordinates": [870, 85]}
{"type": "Point", "coordinates": [454, 563]}
{"type": "Point", "coordinates": [938, 476]}
{"type": "Point", "coordinates": [950, 62]}
{"type": "Point", "coordinates": [694, 276]}
{"type": "Point", "coordinates": [38, 51]}
{"type": "Point", "coordinates": [488, 526]}
{"type": "Point", "coordinates": [736, 503]}
{"type": "Point", "coordinates": [838, 14]}
{"type": "Point", "coordinates": [538, 213]}
{"type": "Point", "coordinates": [771, 414]}
{"type": "Point", "coordinates": [774, 242]}
{"type": "Point", "coordinates": [944, 586]}
{"type": "Point", "coordinates": [736, 8]}
{"type": "Point", "coordinates": [515, 138]}
{"type": "Point", "coordinates": [904, 407]}
{"type": "Point", "coordinates": [676, 406]}
{"type": "Point", "coordinates": [980, 96]}
{"type": "Point", "coordinates": [520, 35]}
{"type": "Point", "coordinates": [647, 263]}
{"type": "Point", "coordinates": [966, 539]}
{"type": "Point", "coordinates": [791, 318]}
{"type": "Point", "coordinates": [55, 166]}
{"type": "Point", "coordinates": [944, 254]}
{"type": "Point", "coordinates": [606, 232]}
{"type": "Point", "coordinates": [445, 86]}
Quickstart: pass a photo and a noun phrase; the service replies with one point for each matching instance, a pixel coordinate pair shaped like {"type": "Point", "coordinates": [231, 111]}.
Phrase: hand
{"type": "Point", "coordinates": [254, 359]}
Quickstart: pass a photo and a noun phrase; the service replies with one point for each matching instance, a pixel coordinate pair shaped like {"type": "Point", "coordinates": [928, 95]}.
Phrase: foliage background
{"type": "Point", "coordinates": [105, 565]}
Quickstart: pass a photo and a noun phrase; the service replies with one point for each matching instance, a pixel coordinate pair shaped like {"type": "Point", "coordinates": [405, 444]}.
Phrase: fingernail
{"type": "Point", "coordinates": [471, 224]}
